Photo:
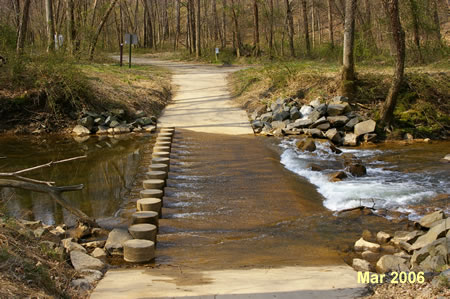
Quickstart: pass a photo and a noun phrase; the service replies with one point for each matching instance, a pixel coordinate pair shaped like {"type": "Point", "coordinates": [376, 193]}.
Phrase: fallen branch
{"type": "Point", "coordinates": [17, 174]}
{"type": "Point", "coordinates": [363, 106]}
{"type": "Point", "coordinates": [55, 193]}
{"type": "Point", "coordinates": [356, 208]}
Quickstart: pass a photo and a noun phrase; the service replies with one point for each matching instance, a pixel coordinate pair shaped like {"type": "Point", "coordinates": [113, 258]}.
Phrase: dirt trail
{"type": "Point", "coordinates": [239, 229]}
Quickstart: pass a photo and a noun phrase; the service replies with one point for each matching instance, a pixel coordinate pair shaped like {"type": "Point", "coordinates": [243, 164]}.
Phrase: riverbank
{"type": "Point", "coordinates": [43, 94]}
{"type": "Point", "coordinates": [422, 109]}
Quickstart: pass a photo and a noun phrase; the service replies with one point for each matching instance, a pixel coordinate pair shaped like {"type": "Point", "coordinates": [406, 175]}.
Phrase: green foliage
{"type": "Point", "coordinates": [4, 255]}
{"type": "Point", "coordinates": [7, 38]}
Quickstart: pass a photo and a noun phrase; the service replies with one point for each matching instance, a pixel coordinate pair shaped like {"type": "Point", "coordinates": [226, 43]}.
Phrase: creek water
{"type": "Point", "coordinates": [230, 202]}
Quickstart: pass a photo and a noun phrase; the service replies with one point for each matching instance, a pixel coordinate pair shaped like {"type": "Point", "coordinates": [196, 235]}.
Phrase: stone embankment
{"type": "Point", "coordinates": [422, 249]}
{"type": "Point", "coordinates": [113, 122]}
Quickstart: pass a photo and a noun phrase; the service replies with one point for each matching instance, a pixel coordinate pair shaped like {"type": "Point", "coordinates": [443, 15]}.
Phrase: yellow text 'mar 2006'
{"type": "Point", "coordinates": [368, 277]}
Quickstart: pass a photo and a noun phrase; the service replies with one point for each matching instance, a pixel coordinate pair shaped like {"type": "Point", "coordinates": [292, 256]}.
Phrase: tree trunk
{"type": "Point", "coordinates": [178, 24]}
{"type": "Point", "coordinates": [198, 44]}
{"type": "Point", "coordinates": [71, 31]}
{"type": "Point", "coordinates": [305, 27]}
{"type": "Point", "coordinates": [348, 69]}
{"type": "Point", "coordinates": [224, 24]}
{"type": "Point", "coordinates": [256, 28]}
{"type": "Point", "coordinates": [93, 43]}
{"type": "Point", "coordinates": [94, 10]}
{"type": "Point", "coordinates": [237, 35]}
{"type": "Point", "coordinates": [16, 5]}
{"type": "Point", "coordinates": [216, 22]}
{"type": "Point", "coordinates": [437, 24]}
{"type": "Point", "coordinates": [290, 25]}
{"type": "Point", "coordinates": [271, 21]}
{"type": "Point", "coordinates": [415, 22]}
{"type": "Point", "coordinates": [398, 38]}
{"type": "Point", "coordinates": [50, 25]}
{"type": "Point", "coordinates": [23, 27]}
{"type": "Point", "coordinates": [330, 24]}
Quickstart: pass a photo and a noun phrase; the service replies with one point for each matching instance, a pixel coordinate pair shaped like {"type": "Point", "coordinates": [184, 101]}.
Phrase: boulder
{"type": "Point", "coordinates": [102, 130]}
{"type": "Point", "coordinates": [434, 233]}
{"type": "Point", "coordinates": [351, 123]}
{"type": "Point", "coordinates": [144, 121]}
{"type": "Point", "coordinates": [383, 237]}
{"type": "Point", "coordinates": [436, 248]}
{"type": "Point", "coordinates": [350, 139]}
{"type": "Point", "coordinates": [81, 284]}
{"type": "Point", "coordinates": [339, 100]}
{"type": "Point", "coordinates": [369, 137]}
{"type": "Point", "coordinates": [334, 135]}
{"type": "Point", "coordinates": [405, 236]}
{"type": "Point", "coordinates": [70, 246]}
{"type": "Point", "coordinates": [302, 123]}
{"type": "Point", "coordinates": [99, 253]}
{"type": "Point", "coordinates": [87, 122]}
{"type": "Point", "coordinates": [388, 263]}
{"type": "Point", "coordinates": [315, 103]}
{"type": "Point", "coordinates": [92, 275]}
{"type": "Point", "coordinates": [139, 114]}
{"type": "Point", "coordinates": [278, 125]}
{"type": "Point", "coordinates": [305, 110]}
{"type": "Point", "coordinates": [80, 131]}
{"type": "Point", "coordinates": [319, 122]}
{"type": "Point", "coordinates": [361, 265]}
{"type": "Point", "coordinates": [295, 113]}
{"type": "Point", "coordinates": [337, 121]}
{"type": "Point", "coordinates": [266, 117]}
{"type": "Point", "coordinates": [280, 116]}
{"type": "Point", "coordinates": [149, 128]}
{"type": "Point", "coordinates": [314, 167]}
{"type": "Point", "coordinates": [337, 176]}
{"type": "Point", "coordinates": [82, 261]}
{"type": "Point", "coordinates": [446, 158]}
{"type": "Point", "coordinates": [370, 256]}
{"type": "Point", "coordinates": [337, 109]}
{"type": "Point", "coordinates": [357, 170]}
{"type": "Point", "coordinates": [114, 124]}
{"type": "Point", "coordinates": [121, 129]}
{"type": "Point", "coordinates": [362, 245]}
{"type": "Point", "coordinates": [81, 231]}
{"type": "Point", "coordinates": [365, 127]}
{"type": "Point", "coordinates": [314, 116]}
{"type": "Point", "coordinates": [433, 263]}
{"type": "Point", "coordinates": [278, 132]}
{"type": "Point", "coordinates": [116, 238]}
{"type": "Point", "coordinates": [315, 133]}
{"type": "Point", "coordinates": [306, 145]}
{"type": "Point", "coordinates": [95, 244]}
{"type": "Point", "coordinates": [324, 126]}
{"type": "Point", "coordinates": [322, 109]}
{"type": "Point", "coordinates": [334, 149]}
{"type": "Point", "coordinates": [428, 220]}
{"type": "Point", "coordinates": [257, 124]}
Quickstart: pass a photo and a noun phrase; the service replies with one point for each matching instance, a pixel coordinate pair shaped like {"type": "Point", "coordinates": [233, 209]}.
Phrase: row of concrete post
{"type": "Point", "coordinates": [145, 221]}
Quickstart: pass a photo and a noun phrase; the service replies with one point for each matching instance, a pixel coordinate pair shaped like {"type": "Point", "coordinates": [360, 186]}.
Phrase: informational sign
{"type": "Point", "coordinates": [131, 39]}
{"type": "Point", "coordinates": [59, 40]}
{"type": "Point", "coordinates": [217, 50]}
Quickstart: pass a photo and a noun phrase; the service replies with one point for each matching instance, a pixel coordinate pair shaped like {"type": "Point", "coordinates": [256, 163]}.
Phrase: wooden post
{"type": "Point", "coordinates": [129, 56]}
{"type": "Point", "coordinates": [121, 55]}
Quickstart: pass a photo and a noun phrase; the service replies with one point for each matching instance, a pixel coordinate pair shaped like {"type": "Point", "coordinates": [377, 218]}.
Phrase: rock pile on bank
{"type": "Point", "coordinates": [113, 122]}
{"type": "Point", "coordinates": [424, 249]}
{"type": "Point", "coordinates": [334, 120]}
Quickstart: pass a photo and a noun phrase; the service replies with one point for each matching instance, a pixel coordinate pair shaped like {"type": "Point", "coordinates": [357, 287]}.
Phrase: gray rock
{"type": "Point", "coordinates": [433, 263]}
{"type": "Point", "coordinates": [92, 275]}
{"type": "Point", "coordinates": [95, 244]}
{"type": "Point", "coordinates": [99, 253]}
{"type": "Point", "coordinates": [102, 130]}
{"type": "Point", "coordinates": [362, 245]}
{"type": "Point", "coordinates": [370, 256]}
{"type": "Point", "coordinates": [351, 123]}
{"type": "Point", "coordinates": [267, 117]}
{"type": "Point", "coordinates": [336, 109]}
{"type": "Point", "coordinates": [87, 122]}
{"type": "Point", "coordinates": [116, 238]}
{"type": "Point", "coordinates": [337, 121]}
{"type": "Point", "coordinates": [70, 246]}
{"type": "Point", "coordinates": [389, 263]}
{"type": "Point", "coordinates": [30, 224]}
{"type": "Point", "coordinates": [278, 125]}
{"type": "Point", "coordinates": [40, 231]}
{"type": "Point", "coordinates": [144, 121]}
{"type": "Point", "coordinates": [315, 103]}
{"type": "Point", "coordinates": [319, 122]}
{"type": "Point", "coordinates": [118, 112]}
{"type": "Point", "coordinates": [314, 116]}
{"type": "Point", "coordinates": [357, 170]}
{"type": "Point", "coordinates": [446, 158]}
{"type": "Point", "coordinates": [81, 284]}
{"type": "Point", "coordinates": [306, 145]}
{"type": "Point", "coordinates": [428, 220]}
{"type": "Point", "coordinates": [295, 113]}
{"type": "Point", "coordinates": [406, 236]}
{"type": "Point", "coordinates": [369, 137]}
{"type": "Point", "coordinates": [436, 248]}
{"type": "Point", "coordinates": [114, 124]}
{"type": "Point", "coordinates": [121, 129]}
{"type": "Point", "coordinates": [322, 109]}
{"type": "Point", "coordinates": [315, 133]}
{"type": "Point", "coordinates": [257, 124]}
{"type": "Point", "coordinates": [303, 123]}
{"type": "Point", "coordinates": [434, 233]}
{"type": "Point", "coordinates": [365, 127]}
{"type": "Point", "coordinates": [305, 110]}
{"type": "Point", "coordinates": [80, 131]}
{"type": "Point", "coordinates": [278, 132]}
{"type": "Point", "coordinates": [82, 261]}
{"type": "Point", "coordinates": [350, 139]}
{"type": "Point", "coordinates": [361, 265]}
{"type": "Point", "coordinates": [280, 116]}
{"type": "Point", "coordinates": [325, 126]}
{"type": "Point", "coordinates": [334, 136]}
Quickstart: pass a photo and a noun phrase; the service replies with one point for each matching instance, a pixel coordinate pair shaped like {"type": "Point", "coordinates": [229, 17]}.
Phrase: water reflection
{"type": "Point", "coordinates": [107, 173]}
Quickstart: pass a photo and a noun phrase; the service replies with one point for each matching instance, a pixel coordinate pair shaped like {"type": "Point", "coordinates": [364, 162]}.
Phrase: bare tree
{"type": "Point", "coordinates": [413, 7]}
{"type": "Point", "coordinates": [23, 27]}
{"type": "Point", "coordinates": [224, 23]}
{"type": "Point", "coordinates": [178, 24]}
{"type": "Point", "coordinates": [305, 27]}
{"type": "Point", "coordinates": [99, 29]}
{"type": "Point", "coordinates": [398, 39]}
{"type": "Point", "coordinates": [71, 31]}
{"type": "Point", "coordinates": [256, 28]}
{"type": "Point", "coordinates": [237, 31]}
{"type": "Point", "coordinates": [290, 23]}
{"type": "Point", "coordinates": [198, 43]}
{"type": "Point", "coordinates": [348, 69]}
{"type": "Point", "coordinates": [330, 23]}
{"type": "Point", "coordinates": [50, 25]}
{"type": "Point", "coordinates": [437, 24]}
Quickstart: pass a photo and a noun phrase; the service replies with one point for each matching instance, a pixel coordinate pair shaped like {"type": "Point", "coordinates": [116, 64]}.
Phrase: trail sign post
{"type": "Point", "coordinates": [130, 39]}
{"type": "Point", "coordinates": [217, 53]}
